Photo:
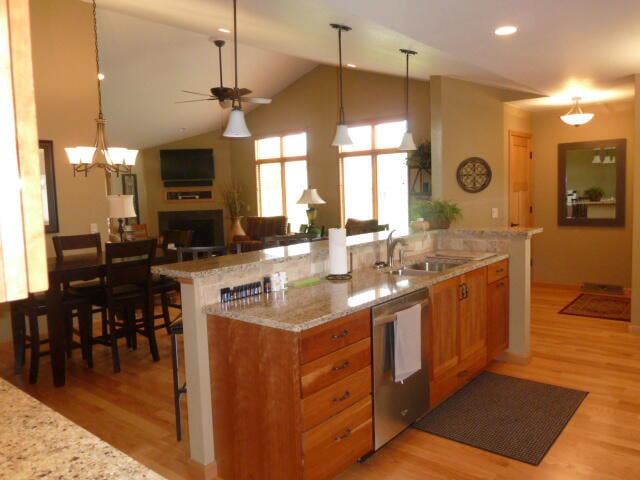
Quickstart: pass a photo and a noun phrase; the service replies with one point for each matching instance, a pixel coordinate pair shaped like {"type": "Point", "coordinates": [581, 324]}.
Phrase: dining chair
{"type": "Point", "coordinates": [137, 231]}
{"type": "Point", "coordinates": [128, 288]}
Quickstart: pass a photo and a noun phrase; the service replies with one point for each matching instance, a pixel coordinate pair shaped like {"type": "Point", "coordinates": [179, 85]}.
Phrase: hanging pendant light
{"type": "Point", "coordinates": [596, 156]}
{"type": "Point", "coordinates": [342, 137]}
{"type": "Point", "coordinates": [111, 159]}
{"type": "Point", "coordinates": [407, 144]}
{"type": "Point", "coordinates": [576, 116]}
{"type": "Point", "coordinates": [236, 126]}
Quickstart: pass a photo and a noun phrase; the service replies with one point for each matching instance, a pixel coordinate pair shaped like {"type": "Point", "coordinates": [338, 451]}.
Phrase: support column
{"type": "Point", "coordinates": [196, 357]}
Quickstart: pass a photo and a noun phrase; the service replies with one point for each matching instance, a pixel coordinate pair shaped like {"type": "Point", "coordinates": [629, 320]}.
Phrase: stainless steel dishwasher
{"type": "Point", "coordinates": [397, 405]}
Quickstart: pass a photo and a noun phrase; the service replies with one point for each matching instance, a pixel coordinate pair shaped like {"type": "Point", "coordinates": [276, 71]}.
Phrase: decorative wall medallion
{"type": "Point", "coordinates": [474, 174]}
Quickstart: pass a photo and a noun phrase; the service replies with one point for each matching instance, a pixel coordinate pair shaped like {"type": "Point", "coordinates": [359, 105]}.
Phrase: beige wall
{"type": "Point", "coordinates": [310, 104]}
{"type": "Point", "coordinates": [156, 202]}
{"type": "Point", "coordinates": [471, 120]}
{"type": "Point", "coordinates": [573, 255]}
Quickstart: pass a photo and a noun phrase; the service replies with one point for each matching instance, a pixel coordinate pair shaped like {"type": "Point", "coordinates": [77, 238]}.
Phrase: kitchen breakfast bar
{"type": "Point", "coordinates": [317, 334]}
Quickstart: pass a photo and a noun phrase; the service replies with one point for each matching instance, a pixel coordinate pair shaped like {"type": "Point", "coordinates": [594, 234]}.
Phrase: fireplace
{"type": "Point", "coordinates": [207, 225]}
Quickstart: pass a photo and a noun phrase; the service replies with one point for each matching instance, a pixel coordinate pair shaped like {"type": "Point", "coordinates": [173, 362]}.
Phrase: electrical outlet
{"type": "Point", "coordinates": [494, 212]}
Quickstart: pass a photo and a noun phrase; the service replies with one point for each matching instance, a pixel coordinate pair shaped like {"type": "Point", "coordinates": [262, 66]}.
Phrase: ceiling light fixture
{"type": "Point", "coordinates": [111, 159]}
{"type": "Point", "coordinates": [407, 144]}
{"type": "Point", "coordinates": [576, 116]}
{"type": "Point", "coordinates": [342, 137]}
{"type": "Point", "coordinates": [236, 127]}
{"type": "Point", "coordinates": [505, 30]}
{"type": "Point", "coordinates": [224, 30]}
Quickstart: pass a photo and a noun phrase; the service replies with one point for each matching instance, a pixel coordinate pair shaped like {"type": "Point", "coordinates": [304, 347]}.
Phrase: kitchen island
{"type": "Point", "coordinates": [201, 282]}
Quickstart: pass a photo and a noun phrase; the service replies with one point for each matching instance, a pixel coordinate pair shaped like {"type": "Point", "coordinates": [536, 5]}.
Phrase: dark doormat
{"type": "Point", "coordinates": [600, 306]}
{"type": "Point", "coordinates": [515, 418]}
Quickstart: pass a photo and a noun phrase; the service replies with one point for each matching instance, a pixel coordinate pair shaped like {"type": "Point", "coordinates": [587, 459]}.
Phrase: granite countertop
{"type": "Point", "coordinates": [504, 232]}
{"type": "Point", "coordinates": [302, 308]}
{"type": "Point", "coordinates": [36, 442]}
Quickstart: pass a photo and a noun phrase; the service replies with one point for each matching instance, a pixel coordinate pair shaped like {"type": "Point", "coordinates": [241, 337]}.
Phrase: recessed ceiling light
{"type": "Point", "coordinates": [224, 30]}
{"type": "Point", "coordinates": [352, 65]}
{"type": "Point", "coordinates": [505, 30]}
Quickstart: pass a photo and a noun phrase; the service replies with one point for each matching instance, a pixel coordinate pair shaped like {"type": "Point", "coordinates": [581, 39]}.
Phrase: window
{"type": "Point", "coordinates": [374, 175]}
{"type": "Point", "coordinates": [282, 177]}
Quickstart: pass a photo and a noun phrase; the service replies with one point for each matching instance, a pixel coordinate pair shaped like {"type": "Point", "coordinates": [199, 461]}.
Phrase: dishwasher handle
{"type": "Point", "coordinates": [391, 317]}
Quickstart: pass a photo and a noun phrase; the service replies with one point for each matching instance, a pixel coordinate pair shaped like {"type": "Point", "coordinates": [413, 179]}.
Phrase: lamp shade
{"type": "Point", "coordinates": [236, 127]}
{"type": "Point", "coordinates": [407, 144]}
{"type": "Point", "coordinates": [342, 137]}
{"type": "Point", "coordinates": [311, 197]}
{"type": "Point", "coordinates": [121, 206]}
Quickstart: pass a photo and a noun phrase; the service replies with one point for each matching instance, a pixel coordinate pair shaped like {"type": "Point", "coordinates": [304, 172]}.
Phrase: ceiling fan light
{"type": "Point", "coordinates": [407, 144]}
{"type": "Point", "coordinates": [236, 126]}
{"type": "Point", "coordinates": [342, 137]}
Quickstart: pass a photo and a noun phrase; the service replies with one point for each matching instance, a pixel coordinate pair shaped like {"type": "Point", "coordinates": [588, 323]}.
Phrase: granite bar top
{"type": "Point", "coordinates": [36, 442]}
{"type": "Point", "coordinates": [299, 309]}
{"type": "Point", "coordinates": [232, 263]}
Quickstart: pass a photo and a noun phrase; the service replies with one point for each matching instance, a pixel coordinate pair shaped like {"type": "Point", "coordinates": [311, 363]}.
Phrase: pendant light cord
{"type": "Point", "coordinates": [236, 97]}
{"type": "Point", "coordinates": [406, 91]}
{"type": "Point", "coordinates": [340, 75]}
{"type": "Point", "coordinates": [97, 50]}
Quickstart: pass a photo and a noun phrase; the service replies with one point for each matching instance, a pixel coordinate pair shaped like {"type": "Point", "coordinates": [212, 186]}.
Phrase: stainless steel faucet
{"type": "Point", "coordinates": [392, 243]}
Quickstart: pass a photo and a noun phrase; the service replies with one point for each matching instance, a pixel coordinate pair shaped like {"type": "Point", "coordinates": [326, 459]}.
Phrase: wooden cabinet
{"type": "Point", "coordinates": [291, 405]}
{"type": "Point", "coordinates": [497, 317]}
{"type": "Point", "coordinates": [458, 333]}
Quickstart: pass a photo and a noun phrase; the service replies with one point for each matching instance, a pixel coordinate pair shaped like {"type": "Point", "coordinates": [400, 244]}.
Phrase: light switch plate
{"type": "Point", "coordinates": [494, 212]}
{"type": "Point", "coordinates": [93, 228]}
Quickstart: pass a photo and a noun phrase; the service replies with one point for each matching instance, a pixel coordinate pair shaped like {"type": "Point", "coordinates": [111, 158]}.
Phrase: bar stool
{"type": "Point", "coordinates": [178, 388]}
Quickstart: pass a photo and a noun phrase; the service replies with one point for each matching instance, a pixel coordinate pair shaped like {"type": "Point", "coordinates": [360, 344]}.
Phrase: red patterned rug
{"type": "Point", "coordinates": [600, 306]}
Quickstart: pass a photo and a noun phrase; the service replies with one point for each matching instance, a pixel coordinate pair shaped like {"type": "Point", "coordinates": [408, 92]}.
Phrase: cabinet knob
{"type": "Point", "coordinates": [341, 367]}
{"type": "Point", "coordinates": [340, 335]}
{"type": "Point", "coordinates": [342, 398]}
{"type": "Point", "coordinates": [342, 436]}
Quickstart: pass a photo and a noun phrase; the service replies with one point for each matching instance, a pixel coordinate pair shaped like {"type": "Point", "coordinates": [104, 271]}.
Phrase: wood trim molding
{"type": "Point", "coordinates": [202, 472]}
{"type": "Point", "coordinates": [634, 329]}
{"type": "Point", "coordinates": [515, 358]}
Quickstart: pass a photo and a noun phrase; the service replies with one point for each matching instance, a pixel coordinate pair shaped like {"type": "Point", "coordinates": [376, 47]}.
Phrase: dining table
{"type": "Point", "coordinates": [73, 268]}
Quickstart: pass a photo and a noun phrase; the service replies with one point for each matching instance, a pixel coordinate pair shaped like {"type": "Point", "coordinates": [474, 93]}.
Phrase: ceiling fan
{"type": "Point", "coordinates": [226, 95]}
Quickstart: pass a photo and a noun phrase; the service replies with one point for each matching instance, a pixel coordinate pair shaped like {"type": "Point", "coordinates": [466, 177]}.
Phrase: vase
{"type": "Point", "coordinates": [235, 230]}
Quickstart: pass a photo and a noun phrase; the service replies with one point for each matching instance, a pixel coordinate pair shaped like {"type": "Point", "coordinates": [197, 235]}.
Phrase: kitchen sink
{"type": "Point", "coordinates": [429, 265]}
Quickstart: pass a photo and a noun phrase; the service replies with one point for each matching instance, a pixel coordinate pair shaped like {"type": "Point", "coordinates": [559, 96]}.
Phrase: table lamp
{"type": "Point", "coordinates": [311, 197]}
{"type": "Point", "coordinates": [121, 207]}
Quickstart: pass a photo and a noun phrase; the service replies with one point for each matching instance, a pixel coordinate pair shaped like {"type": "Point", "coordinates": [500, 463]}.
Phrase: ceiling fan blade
{"type": "Point", "coordinates": [258, 100]}
{"type": "Point", "coordinates": [196, 93]}
{"type": "Point", "coordinates": [243, 91]}
{"type": "Point", "coordinates": [199, 100]}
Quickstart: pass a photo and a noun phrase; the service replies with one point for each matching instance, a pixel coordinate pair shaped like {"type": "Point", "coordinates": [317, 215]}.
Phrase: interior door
{"type": "Point", "coordinates": [520, 157]}
{"type": "Point", "coordinates": [444, 327]}
{"type": "Point", "coordinates": [473, 313]}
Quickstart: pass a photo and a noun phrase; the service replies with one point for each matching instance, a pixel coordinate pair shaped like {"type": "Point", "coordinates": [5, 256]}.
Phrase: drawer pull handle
{"type": "Point", "coordinates": [342, 398]}
{"type": "Point", "coordinates": [500, 270]}
{"type": "Point", "coordinates": [501, 284]}
{"type": "Point", "coordinates": [340, 335]}
{"type": "Point", "coordinates": [346, 434]}
{"type": "Point", "coordinates": [342, 367]}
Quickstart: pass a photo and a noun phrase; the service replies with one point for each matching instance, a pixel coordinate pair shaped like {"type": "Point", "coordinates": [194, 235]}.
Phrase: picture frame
{"type": "Point", "coordinates": [130, 187]}
{"type": "Point", "coordinates": [48, 187]}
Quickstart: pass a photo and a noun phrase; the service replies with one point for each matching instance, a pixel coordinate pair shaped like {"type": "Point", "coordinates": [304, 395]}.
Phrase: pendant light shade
{"type": "Point", "coordinates": [407, 144]}
{"type": "Point", "coordinates": [236, 126]}
{"type": "Point", "coordinates": [576, 116]}
{"type": "Point", "coordinates": [341, 137]}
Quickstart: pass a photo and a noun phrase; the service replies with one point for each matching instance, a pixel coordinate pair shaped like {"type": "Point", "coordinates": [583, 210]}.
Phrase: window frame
{"type": "Point", "coordinates": [281, 160]}
{"type": "Point", "coordinates": [373, 153]}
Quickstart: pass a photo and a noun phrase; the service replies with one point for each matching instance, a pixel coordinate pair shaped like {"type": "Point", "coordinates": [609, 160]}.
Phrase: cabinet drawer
{"type": "Point", "coordinates": [496, 271]}
{"type": "Point", "coordinates": [332, 336]}
{"type": "Point", "coordinates": [326, 370]}
{"type": "Point", "coordinates": [335, 444]}
{"type": "Point", "coordinates": [335, 398]}
{"type": "Point", "coordinates": [442, 388]}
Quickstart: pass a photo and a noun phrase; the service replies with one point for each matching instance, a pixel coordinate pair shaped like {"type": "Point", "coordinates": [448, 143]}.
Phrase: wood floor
{"type": "Point", "coordinates": [134, 411]}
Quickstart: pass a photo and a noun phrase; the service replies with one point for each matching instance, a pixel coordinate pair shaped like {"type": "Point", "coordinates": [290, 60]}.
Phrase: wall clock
{"type": "Point", "coordinates": [474, 174]}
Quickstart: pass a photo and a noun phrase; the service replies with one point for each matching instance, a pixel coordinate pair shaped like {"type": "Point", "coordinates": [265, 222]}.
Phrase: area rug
{"type": "Point", "coordinates": [515, 418]}
{"type": "Point", "coordinates": [600, 306]}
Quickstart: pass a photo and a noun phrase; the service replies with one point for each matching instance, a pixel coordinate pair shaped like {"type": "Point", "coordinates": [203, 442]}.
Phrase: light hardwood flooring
{"type": "Point", "coordinates": [134, 411]}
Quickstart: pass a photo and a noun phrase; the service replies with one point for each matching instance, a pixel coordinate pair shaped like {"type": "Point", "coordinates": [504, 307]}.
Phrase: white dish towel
{"type": "Point", "coordinates": [407, 348]}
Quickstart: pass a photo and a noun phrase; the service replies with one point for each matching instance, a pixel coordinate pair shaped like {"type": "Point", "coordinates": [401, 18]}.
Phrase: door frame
{"type": "Point", "coordinates": [517, 133]}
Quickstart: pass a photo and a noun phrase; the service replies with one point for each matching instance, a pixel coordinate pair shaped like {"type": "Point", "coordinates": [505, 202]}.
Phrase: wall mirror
{"type": "Point", "coordinates": [591, 183]}
{"type": "Point", "coordinates": [48, 186]}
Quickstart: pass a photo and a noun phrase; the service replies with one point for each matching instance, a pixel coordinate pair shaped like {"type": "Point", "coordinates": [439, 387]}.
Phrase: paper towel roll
{"type": "Point", "coordinates": [338, 264]}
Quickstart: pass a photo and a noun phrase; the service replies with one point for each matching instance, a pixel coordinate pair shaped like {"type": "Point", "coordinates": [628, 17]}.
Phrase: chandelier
{"type": "Point", "coordinates": [112, 159]}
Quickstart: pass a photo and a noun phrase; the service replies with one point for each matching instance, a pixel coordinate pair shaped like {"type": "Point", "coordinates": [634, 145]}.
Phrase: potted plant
{"type": "Point", "coordinates": [420, 160]}
{"type": "Point", "coordinates": [236, 207]}
{"type": "Point", "coordinates": [594, 194]}
{"type": "Point", "coordinates": [440, 213]}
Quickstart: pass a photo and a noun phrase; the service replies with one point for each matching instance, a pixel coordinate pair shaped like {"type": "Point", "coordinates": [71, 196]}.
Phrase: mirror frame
{"type": "Point", "coordinates": [621, 160]}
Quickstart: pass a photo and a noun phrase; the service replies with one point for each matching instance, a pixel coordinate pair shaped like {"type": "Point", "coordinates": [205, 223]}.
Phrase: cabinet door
{"type": "Point", "coordinates": [497, 317]}
{"type": "Point", "coordinates": [444, 327]}
{"type": "Point", "coordinates": [473, 313]}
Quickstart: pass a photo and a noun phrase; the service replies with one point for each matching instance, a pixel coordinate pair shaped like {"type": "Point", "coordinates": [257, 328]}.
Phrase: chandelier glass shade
{"type": "Point", "coordinates": [575, 116]}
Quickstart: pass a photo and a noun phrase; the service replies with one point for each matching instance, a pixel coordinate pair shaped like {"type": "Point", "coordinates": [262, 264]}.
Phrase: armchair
{"type": "Point", "coordinates": [257, 228]}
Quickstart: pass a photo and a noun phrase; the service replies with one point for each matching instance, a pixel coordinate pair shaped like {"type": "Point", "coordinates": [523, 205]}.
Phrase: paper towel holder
{"type": "Point", "coordinates": [335, 277]}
